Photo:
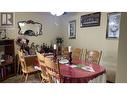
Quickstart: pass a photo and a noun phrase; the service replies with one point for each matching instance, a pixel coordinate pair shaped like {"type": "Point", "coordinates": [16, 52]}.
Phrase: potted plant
{"type": "Point", "coordinates": [59, 40]}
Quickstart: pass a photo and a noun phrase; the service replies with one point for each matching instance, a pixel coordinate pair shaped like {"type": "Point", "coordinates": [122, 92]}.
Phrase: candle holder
{"type": "Point", "coordinates": [55, 57]}
{"type": "Point", "coordinates": [70, 58]}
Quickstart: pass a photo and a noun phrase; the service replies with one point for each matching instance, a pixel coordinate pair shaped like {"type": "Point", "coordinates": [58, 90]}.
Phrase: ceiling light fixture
{"type": "Point", "coordinates": [57, 13]}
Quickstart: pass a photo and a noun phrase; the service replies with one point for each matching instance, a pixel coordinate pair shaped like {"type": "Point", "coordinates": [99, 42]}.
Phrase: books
{"type": "Point", "coordinates": [6, 71]}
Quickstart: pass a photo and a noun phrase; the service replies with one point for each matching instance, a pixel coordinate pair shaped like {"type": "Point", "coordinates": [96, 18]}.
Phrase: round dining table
{"type": "Point", "coordinates": [71, 74]}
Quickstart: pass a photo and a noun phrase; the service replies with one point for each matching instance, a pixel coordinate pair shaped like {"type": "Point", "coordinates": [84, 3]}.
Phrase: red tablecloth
{"type": "Point", "coordinates": [77, 75]}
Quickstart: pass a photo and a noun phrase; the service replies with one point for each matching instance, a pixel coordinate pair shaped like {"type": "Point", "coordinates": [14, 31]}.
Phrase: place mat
{"type": "Point", "coordinates": [76, 66]}
{"type": "Point", "coordinates": [73, 66]}
{"type": "Point", "coordinates": [83, 67]}
{"type": "Point", "coordinates": [63, 61]}
{"type": "Point", "coordinates": [80, 65]}
{"type": "Point", "coordinates": [88, 68]}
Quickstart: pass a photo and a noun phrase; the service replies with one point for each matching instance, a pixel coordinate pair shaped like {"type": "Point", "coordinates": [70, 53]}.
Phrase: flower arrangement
{"type": "Point", "coordinates": [23, 43]}
{"type": "Point", "coordinates": [59, 40]}
{"type": "Point", "coordinates": [22, 40]}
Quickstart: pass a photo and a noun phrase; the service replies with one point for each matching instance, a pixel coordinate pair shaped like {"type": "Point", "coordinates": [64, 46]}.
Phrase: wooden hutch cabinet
{"type": "Point", "coordinates": [7, 60]}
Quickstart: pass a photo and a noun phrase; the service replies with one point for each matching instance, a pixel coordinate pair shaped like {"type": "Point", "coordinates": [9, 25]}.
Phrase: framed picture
{"type": "Point", "coordinates": [90, 20]}
{"type": "Point", "coordinates": [72, 29]}
{"type": "Point", "coordinates": [113, 25]}
{"type": "Point", "coordinates": [3, 33]}
{"type": "Point", "coordinates": [7, 19]}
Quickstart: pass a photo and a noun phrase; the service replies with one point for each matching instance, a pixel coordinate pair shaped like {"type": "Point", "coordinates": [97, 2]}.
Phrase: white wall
{"type": "Point", "coordinates": [93, 38]}
{"type": "Point", "coordinates": [50, 26]}
{"type": "Point", "coordinates": [121, 76]}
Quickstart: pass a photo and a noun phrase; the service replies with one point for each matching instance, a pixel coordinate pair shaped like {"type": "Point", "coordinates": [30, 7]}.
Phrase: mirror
{"type": "Point", "coordinates": [30, 28]}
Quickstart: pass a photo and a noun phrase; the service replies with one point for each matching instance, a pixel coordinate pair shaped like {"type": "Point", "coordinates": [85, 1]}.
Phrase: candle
{"type": "Point", "coordinates": [69, 48]}
{"type": "Point", "coordinates": [54, 46]}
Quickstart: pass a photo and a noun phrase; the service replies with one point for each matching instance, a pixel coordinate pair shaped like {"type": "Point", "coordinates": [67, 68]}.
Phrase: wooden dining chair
{"type": "Point", "coordinates": [19, 71]}
{"type": "Point", "coordinates": [26, 70]}
{"type": "Point", "coordinates": [76, 53]}
{"type": "Point", "coordinates": [93, 56]}
{"type": "Point", "coordinates": [83, 54]}
{"type": "Point", "coordinates": [65, 52]}
{"type": "Point", "coordinates": [53, 70]}
{"type": "Point", "coordinates": [45, 76]}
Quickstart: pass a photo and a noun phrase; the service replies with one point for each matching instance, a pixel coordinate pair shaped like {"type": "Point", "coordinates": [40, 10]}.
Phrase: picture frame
{"type": "Point", "coordinates": [90, 20]}
{"type": "Point", "coordinates": [72, 29]}
{"type": "Point", "coordinates": [113, 25]}
{"type": "Point", "coordinates": [3, 34]}
{"type": "Point", "coordinates": [7, 19]}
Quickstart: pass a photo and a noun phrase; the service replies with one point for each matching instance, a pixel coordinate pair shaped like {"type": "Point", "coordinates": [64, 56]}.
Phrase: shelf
{"type": "Point", "coordinates": [7, 67]}
{"type": "Point", "coordinates": [6, 45]}
{"type": "Point", "coordinates": [4, 64]}
{"type": "Point", "coordinates": [7, 77]}
{"type": "Point", "coordinates": [10, 76]}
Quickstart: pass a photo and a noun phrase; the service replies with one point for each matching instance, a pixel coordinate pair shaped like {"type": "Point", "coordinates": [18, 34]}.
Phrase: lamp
{"type": "Point", "coordinates": [57, 13]}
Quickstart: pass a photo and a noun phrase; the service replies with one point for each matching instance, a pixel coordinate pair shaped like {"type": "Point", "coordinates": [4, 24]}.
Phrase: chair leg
{"type": "Point", "coordinates": [20, 71]}
{"type": "Point", "coordinates": [39, 75]}
{"type": "Point", "coordinates": [42, 81]}
{"type": "Point", "coordinates": [26, 77]}
{"type": "Point", "coordinates": [17, 69]}
{"type": "Point", "coordinates": [22, 76]}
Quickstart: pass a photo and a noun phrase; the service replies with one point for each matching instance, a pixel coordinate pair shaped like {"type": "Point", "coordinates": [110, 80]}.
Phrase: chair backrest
{"type": "Point", "coordinates": [76, 53]}
{"type": "Point", "coordinates": [83, 54]}
{"type": "Point", "coordinates": [65, 52]}
{"type": "Point", "coordinates": [22, 60]}
{"type": "Point", "coordinates": [52, 69]}
{"type": "Point", "coordinates": [41, 58]}
{"type": "Point", "coordinates": [93, 56]}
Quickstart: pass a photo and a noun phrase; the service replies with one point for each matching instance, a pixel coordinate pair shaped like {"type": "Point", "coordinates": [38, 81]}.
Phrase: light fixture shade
{"type": "Point", "coordinates": [58, 13]}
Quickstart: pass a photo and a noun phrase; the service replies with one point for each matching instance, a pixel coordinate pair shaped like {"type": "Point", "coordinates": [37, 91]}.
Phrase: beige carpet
{"type": "Point", "coordinates": [17, 79]}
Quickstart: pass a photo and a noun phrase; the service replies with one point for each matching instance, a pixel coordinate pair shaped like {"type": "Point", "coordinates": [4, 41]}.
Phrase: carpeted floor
{"type": "Point", "coordinates": [17, 79]}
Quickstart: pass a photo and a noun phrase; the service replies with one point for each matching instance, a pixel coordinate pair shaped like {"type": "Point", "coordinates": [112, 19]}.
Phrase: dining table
{"type": "Point", "coordinates": [82, 72]}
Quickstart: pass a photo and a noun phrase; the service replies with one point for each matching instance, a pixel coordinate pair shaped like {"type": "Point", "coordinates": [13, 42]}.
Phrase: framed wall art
{"type": "Point", "coordinates": [3, 34]}
{"type": "Point", "coordinates": [7, 19]}
{"type": "Point", "coordinates": [72, 29]}
{"type": "Point", "coordinates": [90, 20]}
{"type": "Point", "coordinates": [113, 25]}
